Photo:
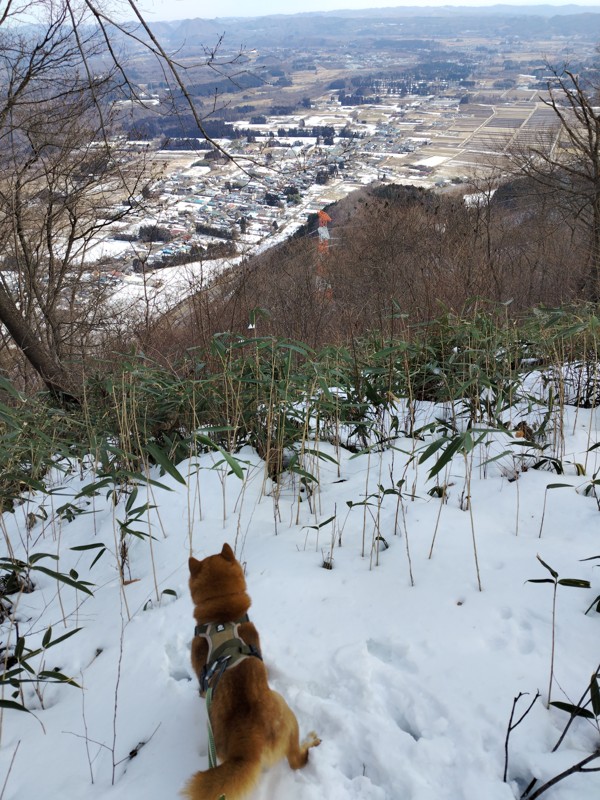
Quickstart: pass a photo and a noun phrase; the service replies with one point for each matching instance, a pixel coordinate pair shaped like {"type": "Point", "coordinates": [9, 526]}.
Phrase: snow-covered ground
{"type": "Point", "coordinates": [161, 290]}
{"type": "Point", "coordinates": [409, 683]}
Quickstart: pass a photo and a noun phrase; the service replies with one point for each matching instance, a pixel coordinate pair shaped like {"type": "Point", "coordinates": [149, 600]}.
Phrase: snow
{"type": "Point", "coordinates": [410, 687]}
{"type": "Point", "coordinates": [164, 288]}
{"type": "Point", "coordinates": [106, 247]}
{"type": "Point", "coordinates": [432, 161]}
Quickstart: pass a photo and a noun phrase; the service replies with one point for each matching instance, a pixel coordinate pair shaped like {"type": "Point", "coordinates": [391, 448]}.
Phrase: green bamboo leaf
{"type": "Point", "coordinates": [321, 524]}
{"type": "Point", "coordinates": [577, 584]}
{"type": "Point", "coordinates": [19, 647]}
{"type": "Point", "coordinates": [323, 456]}
{"type": "Point", "coordinates": [162, 459]}
{"type": "Point", "coordinates": [540, 580]}
{"type": "Point", "coordinates": [7, 386]}
{"type": "Point", "coordinates": [136, 513]}
{"type": "Point", "coordinates": [303, 350]}
{"type": "Point", "coordinates": [597, 604]}
{"type": "Point", "coordinates": [202, 435]}
{"type": "Point", "coordinates": [554, 462]}
{"type": "Point", "coordinates": [95, 488]}
{"type": "Point", "coordinates": [9, 678]}
{"type": "Point", "coordinates": [33, 559]}
{"type": "Point", "coordinates": [574, 711]}
{"type": "Point", "coordinates": [432, 448]}
{"type": "Point", "coordinates": [387, 351]}
{"type": "Point", "coordinates": [14, 706]}
{"type": "Point", "coordinates": [595, 694]}
{"type": "Point", "coordinates": [467, 442]}
{"type": "Point", "coordinates": [496, 458]}
{"type": "Point", "coordinates": [131, 499]}
{"type": "Point", "coordinates": [25, 665]}
{"type": "Point", "coordinates": [47, 637]}
{"type": "Point", "coordinates": [255, 313]}
{"type": "Point", "coordinates": [54, 676]}
{"type": "Point", "coordinates": [62, 638]}
{"type": "Point", "coordinates": [303, 474]}
{"type": "Point", "coordinates": [81, 585]}
{"type": "Point", "coordinates": [437, 491]}
{"type": "Point", "coordinates": [95, 546]}
{"type": "Point", "coordinates": [447, 456]}
{"type": "Point", "coordinates": [233, 463]}
{"type": "Point", "coordinates": [548, 567]}
{"type": "Point", "coordinates": [98, 546]}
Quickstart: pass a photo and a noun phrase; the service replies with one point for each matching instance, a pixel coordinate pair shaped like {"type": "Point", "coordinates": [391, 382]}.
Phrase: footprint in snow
{"type": "Point", "coordinates": [178, 660]}
{"type": "Point", "coordinates": [413, 710]}
{"type": "Point", "coordinates": [392, 653]}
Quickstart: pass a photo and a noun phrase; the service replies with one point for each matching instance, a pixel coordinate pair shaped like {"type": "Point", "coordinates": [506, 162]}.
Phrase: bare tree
{"type": "Point", "coordinates": [63, 167]}
{"type": "Point", "coordinates": [566, 162]}
{"type": "Point", "coordinates": [60, 175]}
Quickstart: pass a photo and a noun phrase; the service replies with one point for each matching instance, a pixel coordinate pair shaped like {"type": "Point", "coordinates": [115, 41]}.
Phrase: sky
{"type": "Point", "coordinates": [186, 9]}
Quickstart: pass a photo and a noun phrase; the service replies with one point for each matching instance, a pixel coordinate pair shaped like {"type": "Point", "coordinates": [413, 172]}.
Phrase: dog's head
{"type": "Point", "coordinates": [218, 587]}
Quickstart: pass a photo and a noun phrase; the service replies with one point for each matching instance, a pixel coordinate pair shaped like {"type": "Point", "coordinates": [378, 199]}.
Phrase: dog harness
{"type": "Point", "coordinates": [226, 649]}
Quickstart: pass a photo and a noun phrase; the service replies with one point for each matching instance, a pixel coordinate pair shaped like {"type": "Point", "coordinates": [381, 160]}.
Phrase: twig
{"type": "Point", "coordinates": [85, 728]}
{"type": "Point", "coordinates": [87, 739]}
{"type": "Point", "coordinates": [552, 652]}
{"type": "Point", "coordinates": [511, 727]}
{"type": "Point", "coordinates": [133, 753]}
{"type": "Point", "coordinates": [10, 766]}
{"type": "Point", "coordinates": [579, 767]}
{"type": "Point", "coordinates": [118, 681]}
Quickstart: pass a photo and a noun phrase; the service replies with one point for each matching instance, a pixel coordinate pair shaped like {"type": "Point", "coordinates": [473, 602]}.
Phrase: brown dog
{"type": "Point", "coordinates": [253, 726]}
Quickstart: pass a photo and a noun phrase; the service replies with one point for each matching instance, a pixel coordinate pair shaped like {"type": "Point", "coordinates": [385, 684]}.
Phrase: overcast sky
{"type": "Point", "coordinates": [186, 9]}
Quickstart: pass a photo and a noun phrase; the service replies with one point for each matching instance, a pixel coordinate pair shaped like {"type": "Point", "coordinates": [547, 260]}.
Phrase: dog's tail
{"type": "Point", "coordinates": [232, 780]}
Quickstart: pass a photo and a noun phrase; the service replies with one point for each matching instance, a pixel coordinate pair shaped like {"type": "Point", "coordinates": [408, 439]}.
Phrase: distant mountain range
{"type": "Point", "coordinates": [362, 26]}
{"type": "Point", "coordinates": [547, 10]}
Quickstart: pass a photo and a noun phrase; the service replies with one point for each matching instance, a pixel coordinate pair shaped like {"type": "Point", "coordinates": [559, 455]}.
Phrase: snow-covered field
{"type": "Point", "coordinates": [409, 683]}
{"type": "Point", "coordinates": [162, 290]}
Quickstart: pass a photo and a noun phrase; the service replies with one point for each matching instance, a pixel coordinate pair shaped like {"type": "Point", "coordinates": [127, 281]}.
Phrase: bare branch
{"type": "Point", "coordinates": [579, 767]}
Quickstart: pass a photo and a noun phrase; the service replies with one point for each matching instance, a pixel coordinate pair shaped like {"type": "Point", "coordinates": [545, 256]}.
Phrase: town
{"type": "Point", "coordinates": [442, 126]}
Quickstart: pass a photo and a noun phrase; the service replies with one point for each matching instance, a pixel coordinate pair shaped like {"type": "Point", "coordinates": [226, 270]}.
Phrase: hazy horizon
{"type": "Point", "coordinates": [159, 10]}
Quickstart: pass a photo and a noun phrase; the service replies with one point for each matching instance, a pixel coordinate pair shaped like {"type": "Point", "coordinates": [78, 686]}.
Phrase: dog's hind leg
{"type": "Point", "coordinates": [297, 753]}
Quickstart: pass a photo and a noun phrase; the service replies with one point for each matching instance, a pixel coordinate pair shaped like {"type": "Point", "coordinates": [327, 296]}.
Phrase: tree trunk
{"type": "Point", "coordinates": [51, 372]}
{"type": "Point", "coordinates": [593, 288]}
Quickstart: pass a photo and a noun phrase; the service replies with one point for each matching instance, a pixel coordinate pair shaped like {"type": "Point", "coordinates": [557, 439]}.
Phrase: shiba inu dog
{"type": "Point", "coordinates": [253, 726]}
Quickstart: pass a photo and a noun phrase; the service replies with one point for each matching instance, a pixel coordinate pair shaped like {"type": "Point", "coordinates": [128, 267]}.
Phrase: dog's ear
{"type": "Point", "coordinates": [194, 565]}
{"type": "Point", "coordinates": [227, 553]}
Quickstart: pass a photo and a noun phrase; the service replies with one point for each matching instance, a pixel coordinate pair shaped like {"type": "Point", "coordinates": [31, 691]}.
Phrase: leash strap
{"type": "Point", "coordinates": [212, 750]}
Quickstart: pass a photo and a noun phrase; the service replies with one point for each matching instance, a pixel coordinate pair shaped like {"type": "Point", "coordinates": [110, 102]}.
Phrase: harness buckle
{"type": "Point", "coordinates": [214, 669]}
